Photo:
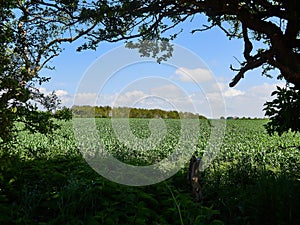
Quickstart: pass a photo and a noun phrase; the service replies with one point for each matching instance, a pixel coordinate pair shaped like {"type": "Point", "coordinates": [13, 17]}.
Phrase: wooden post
{"type": "Point", "coordinates": [193, 177]}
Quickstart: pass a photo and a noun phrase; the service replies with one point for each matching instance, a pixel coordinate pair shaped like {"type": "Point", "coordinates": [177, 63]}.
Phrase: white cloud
{"type": "Point", "coordinates": [231, 92]}
{"type": "Point", "coordinates": [264, 90]}
{"type": "Point", "coordinates": [85, 99]}
{"type": "Point", "coordinates": [248, 102]}
{"type": "Point", "coordinates": [61, 93]}
{"type": "Point", "coordinates": [167, 97]}
{"type": "Point", "coordinates": [65, 97]}
{"type": "Point", "coordinates": [57, 92]}
{"type": "Point", "coordinates": [167, 91]}
{"type": "Point", "coordinates": [198, 75]}
{"type": "Point", "coordinates": [128, 98]}
{"type": "Point", "coordinates": [44, 90]}
{"type": "Point", "coordinates": [209, 102]}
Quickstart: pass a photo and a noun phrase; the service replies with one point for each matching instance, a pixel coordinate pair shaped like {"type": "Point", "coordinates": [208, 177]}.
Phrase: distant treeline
{"type": "Point", "coordinates": [125, 112]}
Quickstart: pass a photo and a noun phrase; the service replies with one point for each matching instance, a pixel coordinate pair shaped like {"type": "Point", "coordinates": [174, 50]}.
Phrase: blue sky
{"type": "Point", "coordinates": [199, 86]}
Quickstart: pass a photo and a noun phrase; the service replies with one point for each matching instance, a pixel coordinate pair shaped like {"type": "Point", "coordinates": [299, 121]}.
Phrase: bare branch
{"type": "Point", "coordinates": [38, 68]}
{"type": "Point", "coordinates": [59, 40]}
{"type": "Point", "coordinates": [256, 62]}
{"type": "Point", "coordinates": [175, 24]}
{"type": "Point", "coordinates": [228, 34]}
{"type": "Point", "coordinates": [206, 27]}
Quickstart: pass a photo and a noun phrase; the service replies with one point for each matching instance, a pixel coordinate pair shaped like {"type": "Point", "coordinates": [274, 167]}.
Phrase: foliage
{"type": "Point", "coordinates": [63, 114]}
{"type": "Point", "coordinates": [254, 180]}
{"type": "Point", "coordinates": [29, 40]}
{"type": "Point", "coordinates": [284, 111]}
{"type": "Point", "coordinates": [126, 112]}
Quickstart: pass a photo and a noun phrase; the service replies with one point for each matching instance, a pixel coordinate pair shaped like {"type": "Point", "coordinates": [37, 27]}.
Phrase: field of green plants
{"type": "Point", "coordinates": [254, 179]}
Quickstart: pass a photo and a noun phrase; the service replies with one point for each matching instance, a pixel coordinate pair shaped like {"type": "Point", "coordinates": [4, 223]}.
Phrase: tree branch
{"type": "Point", "coordinates": [256, 62]}
{"type": "Point", "coordinates": [59, 40]}
{"type": "Point", "coordinates": [248, 45]}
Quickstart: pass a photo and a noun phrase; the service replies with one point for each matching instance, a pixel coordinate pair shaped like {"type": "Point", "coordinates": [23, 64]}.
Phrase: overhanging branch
{"type": "Point", "coordinates": [248, 45]}
{"type": "Point", "coordinates": [255, 62]}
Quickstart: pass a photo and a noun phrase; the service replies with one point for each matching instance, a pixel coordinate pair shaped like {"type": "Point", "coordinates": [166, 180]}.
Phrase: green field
{"type": "Point", "coordinates": [254, 179]}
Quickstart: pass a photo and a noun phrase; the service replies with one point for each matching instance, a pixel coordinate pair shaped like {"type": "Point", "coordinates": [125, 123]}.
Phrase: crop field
{"type": "Point", "coordinates": [254, 179]}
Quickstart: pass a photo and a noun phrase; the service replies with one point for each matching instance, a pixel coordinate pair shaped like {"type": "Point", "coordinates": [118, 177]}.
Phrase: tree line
{"type": "Point", "coordinates": [127, 112]}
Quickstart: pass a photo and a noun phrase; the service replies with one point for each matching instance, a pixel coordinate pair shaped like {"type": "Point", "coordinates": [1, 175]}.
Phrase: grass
{"type": "Point", "coordinates": [254, 180]}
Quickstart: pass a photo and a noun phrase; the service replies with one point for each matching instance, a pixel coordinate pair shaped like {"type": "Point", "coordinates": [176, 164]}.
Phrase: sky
{"type": "Point", "coordinates": [195, 79]}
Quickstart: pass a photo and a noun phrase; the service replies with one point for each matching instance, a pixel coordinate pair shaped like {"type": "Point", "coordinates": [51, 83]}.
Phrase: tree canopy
{"type": "Point", "coordinates": [274, 23]}
{"type": "Point", "coordinates": [32, 32]}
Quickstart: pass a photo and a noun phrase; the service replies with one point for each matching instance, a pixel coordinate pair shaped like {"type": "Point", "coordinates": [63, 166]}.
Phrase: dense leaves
{"type": "Point", "coordinates": [284, 111]}
{"type": "Point", "coordinates": [25, 49]}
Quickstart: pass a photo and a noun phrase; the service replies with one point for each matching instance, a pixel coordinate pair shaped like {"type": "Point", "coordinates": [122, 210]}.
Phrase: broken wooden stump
{"type": "Point", "coordinates": [193, 177]}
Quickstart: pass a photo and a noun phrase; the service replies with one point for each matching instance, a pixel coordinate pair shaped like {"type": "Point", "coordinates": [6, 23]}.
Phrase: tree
{"type": "Point", "coordinates": [31, 33]}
